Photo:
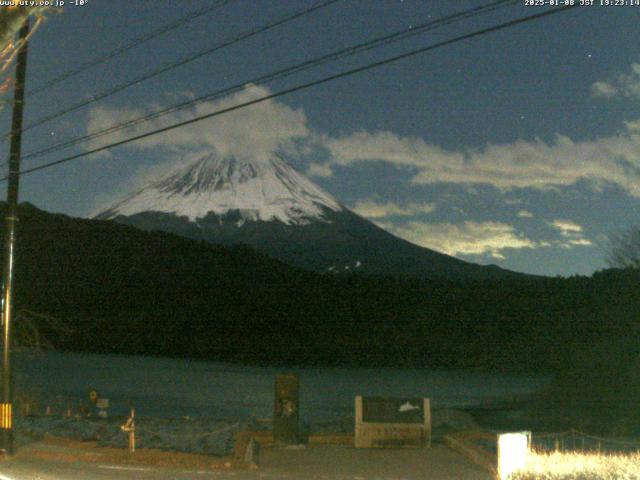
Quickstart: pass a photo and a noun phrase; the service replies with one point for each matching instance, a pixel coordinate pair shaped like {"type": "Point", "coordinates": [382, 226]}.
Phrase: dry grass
{"type": "Point", "coordinates": [574, 466]}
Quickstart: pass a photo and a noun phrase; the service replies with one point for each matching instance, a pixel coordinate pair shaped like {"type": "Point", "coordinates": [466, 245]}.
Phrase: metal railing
{"type": "Point", "coordinates": [578, 441]}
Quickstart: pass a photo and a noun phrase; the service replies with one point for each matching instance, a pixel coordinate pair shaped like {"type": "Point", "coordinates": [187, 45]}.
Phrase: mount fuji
{"type": "Point", "coordinates": [275, 209]}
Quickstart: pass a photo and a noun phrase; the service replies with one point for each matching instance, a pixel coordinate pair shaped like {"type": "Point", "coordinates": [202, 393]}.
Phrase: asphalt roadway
{"type": "Point", "coordinates": [312, 463]}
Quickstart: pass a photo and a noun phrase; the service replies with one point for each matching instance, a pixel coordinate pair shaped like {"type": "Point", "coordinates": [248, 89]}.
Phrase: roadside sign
{"type": "Point", "coordinates": [286, 409]}
{"type": "Point", "coordinates": [388, 422]}
{"type": "Point", "coordinates": [392, 410]}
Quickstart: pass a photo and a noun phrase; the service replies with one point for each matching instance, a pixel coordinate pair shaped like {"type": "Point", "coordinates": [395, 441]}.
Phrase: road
{"type": "Point", "coordinates": [313, 463]}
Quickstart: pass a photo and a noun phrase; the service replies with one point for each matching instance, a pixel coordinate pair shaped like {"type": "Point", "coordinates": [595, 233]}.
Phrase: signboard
{"type": "Point", "coordinates": [392, 410]}
{"type": "Point", "coordinates": [103, 405]}
{"type": "Point", "coordinates": [286, 409]}
{"type": "Point", "coordinates": [383, 422]}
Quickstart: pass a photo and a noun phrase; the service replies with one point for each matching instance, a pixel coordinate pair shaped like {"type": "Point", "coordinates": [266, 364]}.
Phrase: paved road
{"type": "Point", "coordinates": [314, 463]}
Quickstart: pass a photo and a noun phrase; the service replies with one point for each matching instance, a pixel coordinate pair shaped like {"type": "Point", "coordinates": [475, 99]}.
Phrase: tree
{"type": "Point", "coordinates": [39, 330]}
{"type": "Point", "coordinates": [11, 20]}
{"type": "Point", "coordinates": [624, 249]}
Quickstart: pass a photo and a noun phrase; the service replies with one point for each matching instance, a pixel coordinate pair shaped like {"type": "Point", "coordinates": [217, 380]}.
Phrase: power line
{"type": "Point", "coordinates": [358, 48]}
{"type": "Point", "coordinates": [179, 63]}
{"type": "Point", "coordinates": [387, 39]}
{"type": "Point", "coordinates": [128, 46]}
{"type": "Point", "coordinates": [304, 86]}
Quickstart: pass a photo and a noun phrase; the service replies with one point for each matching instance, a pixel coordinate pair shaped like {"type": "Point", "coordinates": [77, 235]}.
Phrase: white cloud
{"type": "Point", "coordinates": [604, 90]}
{"type": "Point", "coordinates": [624, 85]}
{"type": "Point", "coordinates": [256, 132]}
{"type": "Point", "coordinates": [468, 238]}
{"type": "Point", "coordinates": [319, 170]}
{"type": "Point", "coordinates": [520, 164]}
{"type": "Point", "coordinates": [482, 238]}
{"type": "Point", "coordinates": [387, 147]}
{"type": "Point", "coordinates": [566, 227]}
{"type": "Point", "coordinates": [571, 232]}
{"type": "Point", "coordinates": [581, 242]}
{"type": "Point", "coordinates": [633, 126]}
{"type": "Point", "coordinates": [525, 214]}
{"type": "Point", "coordinates": [251, 133]}
{"type": "Point", "coordinates": [373, 209]}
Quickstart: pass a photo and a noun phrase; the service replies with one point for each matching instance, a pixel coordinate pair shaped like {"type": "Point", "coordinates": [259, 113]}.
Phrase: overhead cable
{"type": "Point", "coordinates": [279, 74]}
{"type": "Point", "coordinates": [305, 86]}
{"type": "Point", "coordinates": [163, 69]}
{"type": "Point", "coordinates": [126, 47]}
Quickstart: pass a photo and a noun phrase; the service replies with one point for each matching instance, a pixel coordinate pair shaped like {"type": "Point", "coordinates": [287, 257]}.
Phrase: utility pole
{"type": "Point", "coordinates": [6, 401]}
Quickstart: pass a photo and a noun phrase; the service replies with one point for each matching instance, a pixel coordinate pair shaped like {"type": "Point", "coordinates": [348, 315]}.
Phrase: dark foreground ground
{"type": "Point", "coordinates": [57, 461]}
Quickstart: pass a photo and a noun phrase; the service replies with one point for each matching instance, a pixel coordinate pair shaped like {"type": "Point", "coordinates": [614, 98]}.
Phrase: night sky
{"type": "Point", "coordinates": [519, 147]}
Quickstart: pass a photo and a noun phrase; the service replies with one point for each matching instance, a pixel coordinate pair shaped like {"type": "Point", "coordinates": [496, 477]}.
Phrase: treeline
{"type": "Point", "coordinates": [122, 290]}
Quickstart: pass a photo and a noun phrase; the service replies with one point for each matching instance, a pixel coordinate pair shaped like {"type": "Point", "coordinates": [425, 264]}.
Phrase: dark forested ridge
{"type": "Point", "coordinates": [340, 242]}
{"type": "Point", "coordinates": [124, 290]}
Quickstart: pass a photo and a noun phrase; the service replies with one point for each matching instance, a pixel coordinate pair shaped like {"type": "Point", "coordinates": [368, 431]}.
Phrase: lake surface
{"type": "Point", "coordinates": [163, 387]}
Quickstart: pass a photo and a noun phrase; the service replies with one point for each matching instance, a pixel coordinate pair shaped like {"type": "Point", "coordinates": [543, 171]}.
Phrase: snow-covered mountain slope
{"type": "Point", "coordinates": [265, 191]}
{"type": "Point", "coordinates": [273, 208]}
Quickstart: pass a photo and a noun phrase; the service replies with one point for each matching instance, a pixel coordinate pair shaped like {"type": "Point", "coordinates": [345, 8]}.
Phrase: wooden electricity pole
{"type": "Point", "coordinates": [11, 218]}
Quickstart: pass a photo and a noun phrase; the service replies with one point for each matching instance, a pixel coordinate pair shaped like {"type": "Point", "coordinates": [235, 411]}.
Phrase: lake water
{"type": "Point", "coordinates": [162, 387]}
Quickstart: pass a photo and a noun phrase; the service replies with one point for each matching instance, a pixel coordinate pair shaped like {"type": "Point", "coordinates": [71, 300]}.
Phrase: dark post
{"type": "Point", "coordinates": [6, 405]}
{"type": "Point", "coordinates": [286, 412]}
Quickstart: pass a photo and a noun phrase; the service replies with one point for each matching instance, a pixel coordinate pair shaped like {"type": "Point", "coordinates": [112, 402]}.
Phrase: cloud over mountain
{"type": "Point", "coordinates": [373, 209]}
{"type": "Point", "coordinates": [571, 233]}
{"type": "Point", "coordinates": [248, 134]}
{"type": "Point", "coordinates": [256, 133]}
{"type": "Point", "coordinates": [467, 238]}
{"type": "Point", "coordinates": [519, 164]}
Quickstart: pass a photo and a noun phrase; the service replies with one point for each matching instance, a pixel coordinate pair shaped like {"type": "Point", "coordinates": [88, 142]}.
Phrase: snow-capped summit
{"type": "Point", "coordinates": [271, 207]}
{"type": "Point", "coordinates": [266, 190]}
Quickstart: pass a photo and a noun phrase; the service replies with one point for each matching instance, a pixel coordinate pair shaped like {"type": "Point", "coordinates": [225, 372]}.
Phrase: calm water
{"type": "Point", "coordinates": [169, 388]}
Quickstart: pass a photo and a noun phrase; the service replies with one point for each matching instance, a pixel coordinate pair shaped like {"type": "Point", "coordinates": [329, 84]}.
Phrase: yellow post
{"type": "Point", "coordinates": [132, 434]}
{"type": "Point", "coordinates": [130, 427]}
